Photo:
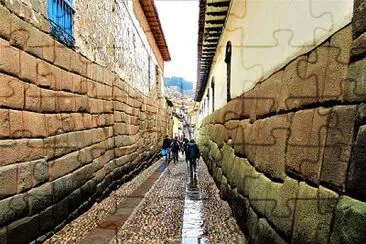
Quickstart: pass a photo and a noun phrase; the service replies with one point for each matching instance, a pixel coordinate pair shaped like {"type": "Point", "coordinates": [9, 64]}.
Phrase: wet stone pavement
{"type": "Point", "coordinates": [163, 204]}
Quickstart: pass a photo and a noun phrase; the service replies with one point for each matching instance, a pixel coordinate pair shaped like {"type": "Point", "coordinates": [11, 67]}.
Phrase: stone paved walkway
{"type": "Point", "coordinates": [171, 207]}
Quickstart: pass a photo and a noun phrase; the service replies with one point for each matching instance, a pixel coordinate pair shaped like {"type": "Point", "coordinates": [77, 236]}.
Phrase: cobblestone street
{"type": "Point", "coordinates": [160, 205]}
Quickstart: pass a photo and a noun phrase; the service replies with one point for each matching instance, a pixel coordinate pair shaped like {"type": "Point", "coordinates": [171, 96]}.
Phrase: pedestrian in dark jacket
{"type": "Point", "coordinates": [193, 153]}
{"type": "Point", "coordinates": [166, 146]}
{"type": "Point", "coordinates": [175, 149]}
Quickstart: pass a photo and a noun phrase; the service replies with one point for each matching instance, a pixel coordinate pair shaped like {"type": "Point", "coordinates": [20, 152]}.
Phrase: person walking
{"type": "Point", "coordinates": [175, 149]}
{"type": "Point", "coordinates": [166, 147]}
{"type": "Point", "coordinates": [193, 153]}
{"type": "Point", "coordinates": [185, 143]}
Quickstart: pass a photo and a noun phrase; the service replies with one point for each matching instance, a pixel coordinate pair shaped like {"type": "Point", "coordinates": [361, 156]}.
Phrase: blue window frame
{"type": "Point", "coordinates": [60, 14]}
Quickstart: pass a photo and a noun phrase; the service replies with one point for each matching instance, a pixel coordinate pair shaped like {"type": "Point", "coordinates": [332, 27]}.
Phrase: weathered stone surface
{"type": "Point", "coordinates": [8, 181]}
{"type": "Point", "coordinates": [268, 92]}
{"type": "Point", "coordinates": [313, 214]}
{"type": "Point", "coordinates": [227, 159]}
{"type": "Point", "coordinates": [24, 230]}
{"type": "Point", "coordinates": [252, 223]}
{"type": "Point", "coordinates": [64, 165]}
{"type": "Point", "coordinates": [3, 235]}
{"type": "Point", "coordinates": [338, 146]}
{"type": "Point", "coordinates": [218, 175]}
{"type": "Point", "coordinates": [305, 147]}
{"type": "Point", "coordinates": [11, 89]}
{"type": "Point", "coordinates": [355, 89]}
{"type": "Point", "coordinates": [259, 187]}
{"type": "Point", "coordinates": [224, 189]}
{"type": "Point", "coordinates": [350, 222]}
{"type": "Point", "coordinates": [60, 211]}
{"type": "Point", "coordinates": [270, 154]}
{"type": "Point", "coordinates": [245, 176]}
{"type": "Point", "coordinates": [338, 61]}
{"type": "Point", "coordinates": [263, 233]}
{"type": "Point", "coordinates": [359, 18]}
{"type": "Point", "coordinates": [39, 198]}
{"type": "Point", "coordinates": [13, 208]}
{"type": "Point", "coordinates": [356, 181]}
{"type": "Point", "coordinates": [240, 207]}
{"type": "Point", "coordinates": [280, 207]}
{"type": "Point", "coordinates": [252, 141]}
{"type": "Point", "coordinates": [295, 90]}
{"type": "Point", "coordinates": [24, 181]}
{"type": "Point", "coordinates": [46, 221]}
{"type": "Point", "coordinates": [61, 187]}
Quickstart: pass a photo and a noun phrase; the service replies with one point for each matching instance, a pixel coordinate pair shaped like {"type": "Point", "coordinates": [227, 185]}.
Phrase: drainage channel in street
{"type": "Point", "coordinates": [193, 230]}
{"type": "Point", "coordinates": [107, 228]}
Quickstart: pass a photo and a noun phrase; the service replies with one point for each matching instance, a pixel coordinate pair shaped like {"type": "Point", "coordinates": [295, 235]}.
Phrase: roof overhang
{"type": "Point", "coordinates": [212, 18]}
{"type": "Point", "coordinates": [152, 17]}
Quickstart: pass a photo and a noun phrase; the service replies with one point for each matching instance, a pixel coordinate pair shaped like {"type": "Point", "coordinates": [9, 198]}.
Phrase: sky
{"type": "Point", "coordinates": [179, 20]}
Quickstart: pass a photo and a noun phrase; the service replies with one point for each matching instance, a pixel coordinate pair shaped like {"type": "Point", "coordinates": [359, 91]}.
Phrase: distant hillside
{"type": "Point", "coordinates": [179, 82]}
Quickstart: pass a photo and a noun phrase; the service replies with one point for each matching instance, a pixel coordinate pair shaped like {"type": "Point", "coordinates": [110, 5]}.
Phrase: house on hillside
{"type": "Point", "coordinates": [279, 92]}
{"type": "Point", "coordinates": [81, 106]}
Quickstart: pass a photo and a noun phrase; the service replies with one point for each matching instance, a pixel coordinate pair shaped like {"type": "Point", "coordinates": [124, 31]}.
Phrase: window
{"type": "Point", "coordinates": [228, 70]}
{"type": "Point", "coordinates": [60, 14]}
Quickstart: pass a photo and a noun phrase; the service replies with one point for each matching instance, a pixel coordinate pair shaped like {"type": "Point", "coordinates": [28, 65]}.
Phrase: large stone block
{"type": "Point", "coordinates": [3, 233]}
{"type": "Point", "coordinates": [252, 140]}
{"type": "Point", "coordinates": [40, 198]}
{"type": "Point", "coordinates": [338, 146]}
{"type": "Point", "coordinates": [62, 56]}
{"type": "Point", "coordinates": [268, 92]}
{"type": "Point", "coordinates": [13, 151]}
{"type": "Point", "coordinates": [359, 18]}
{"type": "Point", "coordinates": [25, 36]}
{"type": "Point", "coordinates": [295, 90]}
{"type": "Point", "coordinates": [28, 67]}
{"type": "Point", "coordinates": [8, 180]}
{"type": "Point", "coordinates": [227, 159]}
{"type": "Point", "coordinates": [62, 187]}
{"type": "Point", "coordinates": [16, 124]}
{"type": "Point", "coordinates": [32, 98]}
{"type": "Point", "coordinates": [355, 89]}
{"type": "Point", "coordinates": [280, 207]}
{"type": "Point", "coordinates": [48, 100]}
{"type": "Point", "coordinates": [24, 177]}
{"type": "Point", "coordinates": [64, 165]}
{"type": "Point", "coordinates": [5, 23]}
{"type": "Point", "coordinates": [11, 91]}
{"type": "Point", "coordinates": [313, 214]}
{"type": "Point", "coordinates": [259, 186]}
{"type": "Point", "coordinates": [23, 230]}
{"type": "Point", "coordinates": [350, 222]}
{"type": "Point", "coordinates": [264, 233]}
{"type": "Point", "coordinates": [240, 207]}
{"type": "Point", "coordinates": [356, 181]}
{"type": "Point", "coordinates": [252, 223]}
{"type": "Point", "coordinates": [243, 176]}
{"type": "Point", "coordinates": [39, 171]}
{"type": "Point", "coordinates": [338, 61]}
{"type": "Point", "coordinates": [270, 153]}
{"type": "Point", "coordinates": [9, 58]}
{"type": "Point", "coordinates": [46, 221]}
{"type": "Point", "coordinates": [4, 123]}
{"type": "Point", "coordinates": [13, 208]}
{"type": "Point", "coordinates": [305, 148]}
{"type": "Point", "coordinates": [34, 124]}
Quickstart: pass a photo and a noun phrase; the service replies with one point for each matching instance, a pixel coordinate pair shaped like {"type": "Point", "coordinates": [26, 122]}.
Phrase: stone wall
{"type": "Point", "coordinates": [70, 129]}
{"type": "Point", "coordinates": [289, 155]}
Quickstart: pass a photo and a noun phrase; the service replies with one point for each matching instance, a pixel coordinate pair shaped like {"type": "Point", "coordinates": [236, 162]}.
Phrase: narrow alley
{"type": "Point", "coordinates": [163, 204]}
{"type": "Point", "coordinates": [268, 96]}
